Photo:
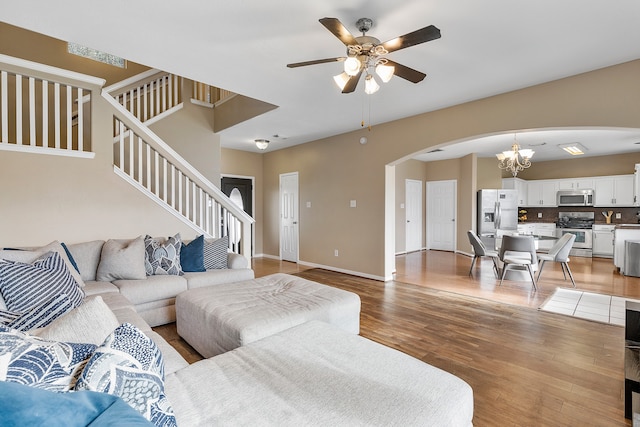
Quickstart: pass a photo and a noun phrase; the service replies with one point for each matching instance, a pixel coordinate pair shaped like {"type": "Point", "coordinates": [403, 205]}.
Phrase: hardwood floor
{"type": "Point", "coordinates": [526, 367]}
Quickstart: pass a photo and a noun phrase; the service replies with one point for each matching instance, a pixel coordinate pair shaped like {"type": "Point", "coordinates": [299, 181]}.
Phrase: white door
{"type": "Point", "coordinates": [289, 217]}
{"type": "Point", "coordinates": [441, 215]}
{"type": "Point", "coordinates": [413, 214]}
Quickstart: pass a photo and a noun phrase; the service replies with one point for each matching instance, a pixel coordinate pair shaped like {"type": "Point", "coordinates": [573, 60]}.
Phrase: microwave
{"type": "Point", "coordinates": [575, 197]}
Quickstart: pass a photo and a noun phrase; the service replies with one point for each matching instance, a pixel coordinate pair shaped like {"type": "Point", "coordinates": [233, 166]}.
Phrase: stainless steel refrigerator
{"type": "Point", "coordinates": [497, 214]}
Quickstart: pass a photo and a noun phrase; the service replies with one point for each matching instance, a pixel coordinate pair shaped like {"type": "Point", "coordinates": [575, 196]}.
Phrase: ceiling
{"type": "Point", "coordinates": [487, 48]}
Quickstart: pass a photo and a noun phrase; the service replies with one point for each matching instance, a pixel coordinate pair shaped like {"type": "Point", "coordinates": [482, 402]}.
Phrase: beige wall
{"type": "Point", "coordinates": [247, 164]}
{"type": "Point", "coordinates": [189, 131]}
{"type": "Point", "coordinates": [334, 170]}
{"type": "Point", "coordinates": [47, 198]}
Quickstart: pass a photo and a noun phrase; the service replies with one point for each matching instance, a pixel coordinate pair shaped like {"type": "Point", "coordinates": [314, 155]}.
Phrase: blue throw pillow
{"type": "Point", "coordinates": [71, 260]}
{"type": "Point", "coordinates": [27, 406]}
{"type": "Point", "coordinates": [192, 255]}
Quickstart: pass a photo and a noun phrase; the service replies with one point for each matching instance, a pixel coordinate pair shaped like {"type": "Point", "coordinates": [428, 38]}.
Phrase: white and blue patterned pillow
{"type": "Point", "coordinates": [39, 316]}
{"type": "Point", "coordinates": [35, 362]}
{"type": "Point", "coordinates": [26, 286]}
{"type": "Point", "coordinates": [130, 365]}
{"type": "Point", "coordinates": [215, 253]}
{"type": "Point", "coordinates": [163, 258]}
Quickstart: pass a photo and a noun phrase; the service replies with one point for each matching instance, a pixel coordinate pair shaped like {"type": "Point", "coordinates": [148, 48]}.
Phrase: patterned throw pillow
{"type": "Point", "coordinates": [163, 257]}
{"type": "Point", "coordinates": [129, 365]}
{"type": "Point", "coordinates": [215, 253]}
{"type": "Point", "coordinates": [35, 362]}
{"type": "Point", "coordinates": [39, 316]}
{"type": "Point", "coordinates": [27, 286]}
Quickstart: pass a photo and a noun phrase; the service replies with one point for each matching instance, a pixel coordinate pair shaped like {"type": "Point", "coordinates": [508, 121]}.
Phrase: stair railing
{"type": "Point", "coordinates": [148, 163]}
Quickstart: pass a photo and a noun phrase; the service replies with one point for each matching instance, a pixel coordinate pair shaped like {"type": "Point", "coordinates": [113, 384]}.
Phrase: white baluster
{"type": "Point", "coordinates": [69, 119]}
{"type": "Point", "coordinates": [18, 109]}
{"type": "Point", "coordinates": [173, 186]}
{"type": "Point", "coordinates": [132, 150]}
{"type": "Point", "coordinates": [148, 165]}
{"type": "Point", "coordinates": [32, 111]}
{"type": "Point", "coordinates": [45, 113]}
{"type": "Point", "coordinates": [164, 179]}
{"type": "Point", "coordinates": [121, 146]}
{"type": "Point", "coordinates": [140, 156]}
{"type": "Point", "coordinates": [179, 191]}
{"type": "Point", "coordinates": [80, 128]}
{"type": "Point", "coordinates": [146, 111]}
{"type": "Point", "coordinates": [187, 193]}
{"type": "Point", "coordinates": [56, 114]}
{"type": "Point", "coordinates": [156, 173]}
{"type": "Point", "coordinates": [4, 106]}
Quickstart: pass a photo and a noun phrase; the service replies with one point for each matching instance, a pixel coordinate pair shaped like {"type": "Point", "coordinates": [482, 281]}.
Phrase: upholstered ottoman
{"type": "Point", "coordinates": [219, 318]}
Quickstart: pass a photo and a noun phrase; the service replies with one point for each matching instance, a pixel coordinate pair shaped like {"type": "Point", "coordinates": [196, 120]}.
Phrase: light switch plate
{"type": "Point", "coordinates": [539, 214]}
{"type": "Point", "coordinates": [308, 204]}
{"type": "Point", "coordinates": [352, 203]}
{"type": "Point", "coordinates": [618, 215]}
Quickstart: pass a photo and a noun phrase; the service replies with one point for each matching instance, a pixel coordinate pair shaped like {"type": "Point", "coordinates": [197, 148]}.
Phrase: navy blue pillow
{"type": "Point", "coordinates": [192, 255]}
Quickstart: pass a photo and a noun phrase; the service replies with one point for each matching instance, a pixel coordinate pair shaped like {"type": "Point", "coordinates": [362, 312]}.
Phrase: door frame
{"type": "Point", "coordinates": [253, 204]}
{"type": "Point", "coordinates": [280, 217]}
{"type": "Point", "coordinates": [406, 213]}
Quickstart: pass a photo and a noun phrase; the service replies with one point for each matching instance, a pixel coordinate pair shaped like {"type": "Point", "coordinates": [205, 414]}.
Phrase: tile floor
{"type": "Point", "coordinates": [587, 305]}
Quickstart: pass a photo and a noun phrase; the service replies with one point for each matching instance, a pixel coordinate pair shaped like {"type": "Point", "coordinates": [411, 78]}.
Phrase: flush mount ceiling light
{"type": "Point", "coordinates": [366, 55]}
{"type": "Point", "coordinates": [575, 149]}
{"type": "Point", "coordinates": [515, 160]}
{"type": "Point", "coordinates": [262, 144]}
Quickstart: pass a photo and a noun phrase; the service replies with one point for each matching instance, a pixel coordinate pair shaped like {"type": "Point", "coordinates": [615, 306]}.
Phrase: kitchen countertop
{"type": "Point", "coordinates": [628, 226]}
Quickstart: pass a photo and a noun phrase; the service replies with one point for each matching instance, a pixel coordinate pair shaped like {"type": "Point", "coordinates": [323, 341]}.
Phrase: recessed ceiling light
{"type": "Point", "coordinates": [574, 148]}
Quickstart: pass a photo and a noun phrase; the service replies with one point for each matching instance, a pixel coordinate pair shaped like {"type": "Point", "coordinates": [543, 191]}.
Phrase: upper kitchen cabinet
{"type": "Point", "coordinates": [517, 184]}
{"type": "Point", "coordinates": [614, 190]}
{"type": "Point", "coordinates": [542, 192]}
{"type": "Point", "coordinates": [575, 184]}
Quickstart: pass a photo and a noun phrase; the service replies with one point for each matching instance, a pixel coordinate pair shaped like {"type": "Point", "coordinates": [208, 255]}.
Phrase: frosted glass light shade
{"type": "Point", "coordinates": [341, 80]}
{"type": "Point", "coordinates": [352, 66]}
{"type": "Point", "coordinates": [370, 85]}
{"type": "Point", "coordinates": [385, 72]}
{"type": "Point", "coordinates": [262, 144]}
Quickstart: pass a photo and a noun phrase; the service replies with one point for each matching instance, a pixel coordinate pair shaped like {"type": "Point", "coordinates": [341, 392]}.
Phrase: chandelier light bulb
{"type": "Point", "coordinates": [352, 66]}
{"type": "Point", "coordinates": [370, 85]}
{"type": "Point", "coordinates": [385, 72]}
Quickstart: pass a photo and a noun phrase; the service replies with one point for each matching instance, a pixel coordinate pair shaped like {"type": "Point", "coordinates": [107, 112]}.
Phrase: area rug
{"type": "Point", "coordinates": [587, 305]}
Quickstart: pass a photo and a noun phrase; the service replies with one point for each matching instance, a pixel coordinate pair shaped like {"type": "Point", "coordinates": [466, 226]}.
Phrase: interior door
{"type": "Point", "coordinates": [441, 215]}
{"type": "Point", "coordinates": [413, 214]}
{"type": "Point", "coordinates": [289, 217]}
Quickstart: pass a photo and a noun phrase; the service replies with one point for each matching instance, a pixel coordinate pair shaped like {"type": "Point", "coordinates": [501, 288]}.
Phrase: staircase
{"type": "Point", "coordinates": [58, 119]}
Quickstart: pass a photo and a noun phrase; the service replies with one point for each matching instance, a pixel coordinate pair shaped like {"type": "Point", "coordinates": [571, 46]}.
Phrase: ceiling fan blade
{"type": "Point", "coordinates": [352, 83]}
{"type": "Point", "coordinates": [422, 35]}
{"type": "Point", "coordinates": [314, 62]}
{"type": "Point", "coordinates": [339, 30]}
{"type": "Point", "coordinates": [414, 76]}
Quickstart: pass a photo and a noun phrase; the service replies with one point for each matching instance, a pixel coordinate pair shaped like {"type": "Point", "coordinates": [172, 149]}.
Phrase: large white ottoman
{"type": "Point", "coordinates": [219, 318]}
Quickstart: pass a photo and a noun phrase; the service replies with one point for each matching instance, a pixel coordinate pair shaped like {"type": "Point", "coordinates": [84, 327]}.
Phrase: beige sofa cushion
{"type": "Point", "coordinates": [91, 323]}
{"type": "Point", "coordinates": [122, 259]}
{"type": "Point", "coordinates": [87, 257]}
{"type": "Point", "coordinates": [154, 288]}
{"type": "Point", "coordinates": [217, 277]}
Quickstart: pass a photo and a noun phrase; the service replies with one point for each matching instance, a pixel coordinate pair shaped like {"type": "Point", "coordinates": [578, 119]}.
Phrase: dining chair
{"type": "Point", "coordinates": [480, 250]}
{"type": "Point", "coordinates": [559, 252]}
{"type": "Point", "coordinates": [519, 252]}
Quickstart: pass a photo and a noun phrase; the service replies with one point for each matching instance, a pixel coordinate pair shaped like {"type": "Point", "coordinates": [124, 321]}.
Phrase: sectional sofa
{"type": "Point", "coordinates": [310, 374]}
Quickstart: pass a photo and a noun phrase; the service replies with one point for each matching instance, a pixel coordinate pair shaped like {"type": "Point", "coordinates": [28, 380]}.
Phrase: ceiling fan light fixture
{"type": "Point", "coordinates": [385, 72]}
{"type": "Point", "coordinates": [262, 144]}
{"type": "Point", "coordinates": [341, 80]}
{"type": "Point", "coordinates": [352, 66]}
{"type": "Point", "coordinates": [370, 85]}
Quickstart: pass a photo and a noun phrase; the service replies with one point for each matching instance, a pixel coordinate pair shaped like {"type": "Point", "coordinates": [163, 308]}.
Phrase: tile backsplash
{"type": "Point", "coordinates": [627, 215]}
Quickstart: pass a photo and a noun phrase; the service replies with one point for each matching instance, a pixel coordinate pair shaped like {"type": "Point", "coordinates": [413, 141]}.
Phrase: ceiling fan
{"type": "Point", "coordinates": [365, 54]}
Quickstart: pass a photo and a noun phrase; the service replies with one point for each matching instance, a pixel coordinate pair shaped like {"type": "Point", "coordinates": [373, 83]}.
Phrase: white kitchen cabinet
{"type": "Point", "coordinates": [542, 192]}
{"type": "Point", "coordinates": [575, 183]}
{"type": "Point", "coordinates": [547, 229]}
{"type": "Point", "coordinates": [622, 233]}
{"type": "Point", "coordinates": [517, 184]}
{"type": "Point", "coordinates": [614, 190]}
{"type": "Point", "coordinates": [603, 235]}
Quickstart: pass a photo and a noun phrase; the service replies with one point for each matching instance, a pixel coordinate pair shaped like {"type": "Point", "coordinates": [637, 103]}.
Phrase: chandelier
{"type": "Point", "coordinates": [515, 160]}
